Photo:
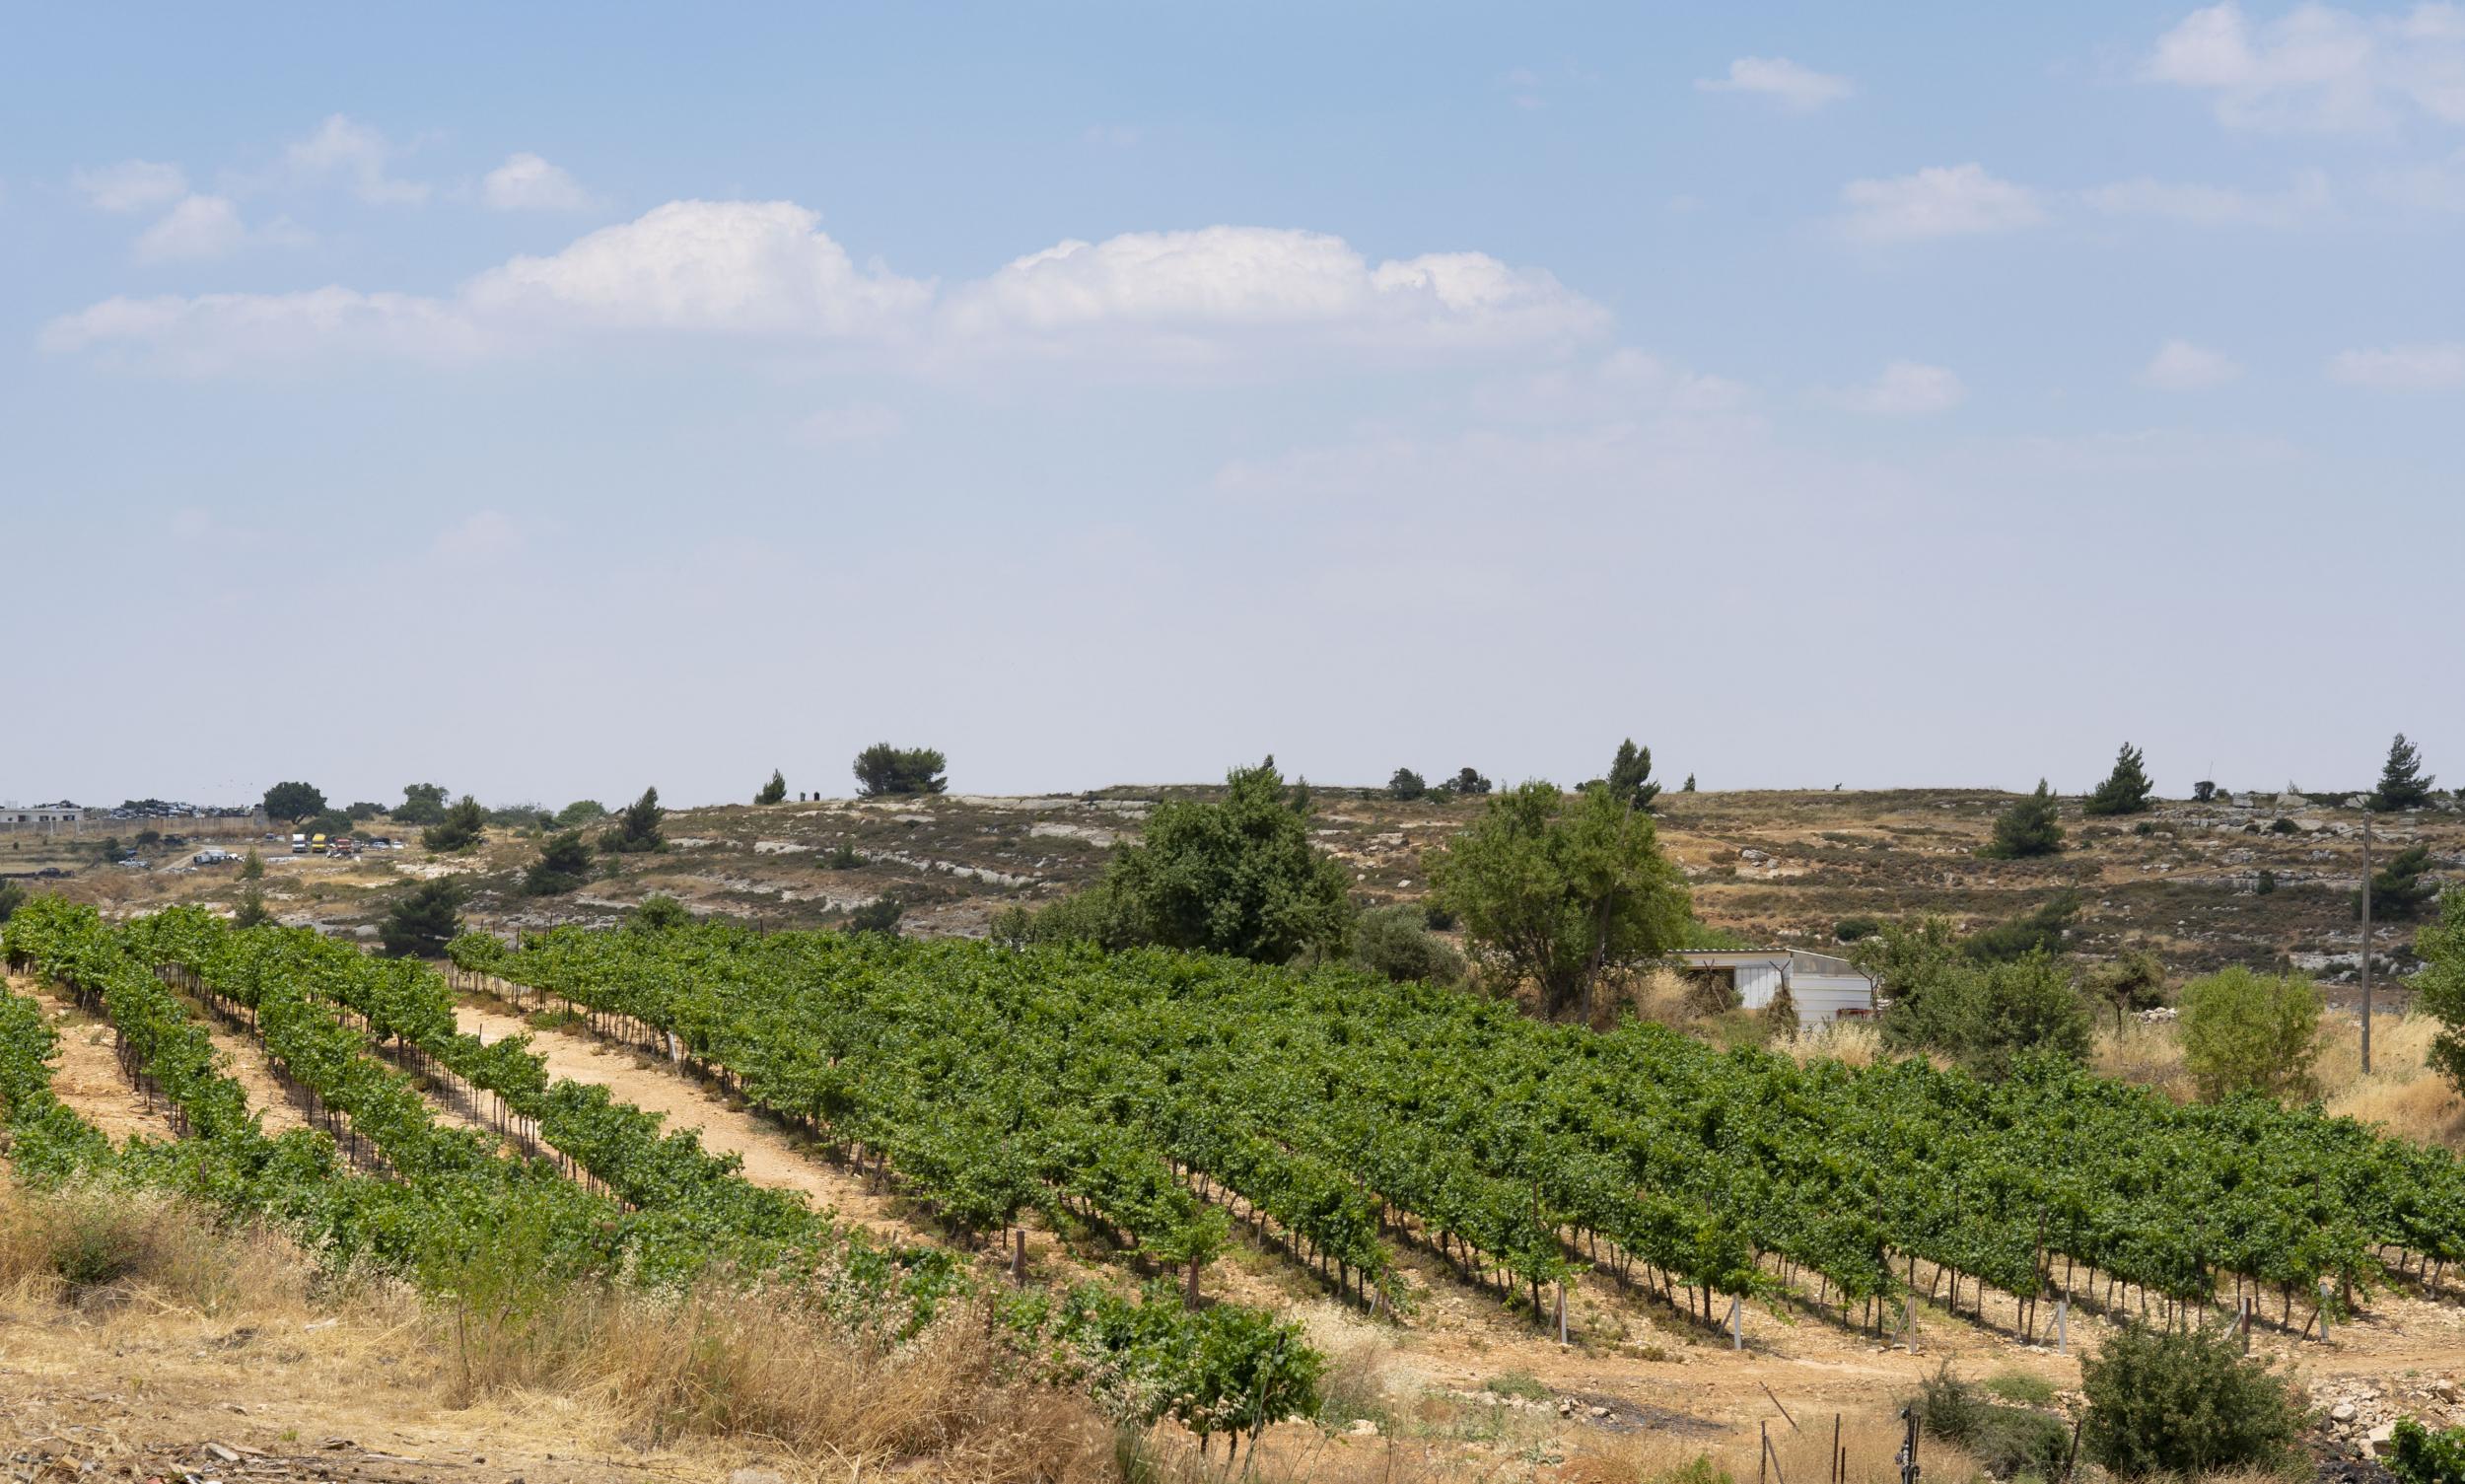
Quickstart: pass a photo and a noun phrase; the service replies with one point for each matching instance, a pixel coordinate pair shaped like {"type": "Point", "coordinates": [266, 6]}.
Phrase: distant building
{"type": "Point", "coordinates": [1823, 986]}
{"type": "Point", "coordinates": [62, 812]}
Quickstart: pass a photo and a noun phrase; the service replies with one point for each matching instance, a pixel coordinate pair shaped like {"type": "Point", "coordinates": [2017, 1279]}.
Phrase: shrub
{"type": "Point", "coordinates": [249, 909]}
{"type": "Point", "coordinates": [1099, 915]}
{"type": "Point", "coordinates": [1856, 929]}
{"type": "Point", "coordinates": [880, 915]}
{"type": "Point", "coordinates": [363, 811]}
{"type": "Point", "coordinates": [579, 813]}
{"type": "Point", "coordinates": [1393, 941]}
{"type": "Point", "coordinates": [459, 829]}
{"type": "Point", "coordinates": [11, 897]}
{"type": "Point", "coordinates": [1407, 784]}
{"type": "Point", "coordinates": [2441, 985]}
{"type": "Point", "coordinates": [2027, 828]}
{"type": "Point", "coordinates": [843, 857]}
{"type": "Point", "coordinates": [2280, 825]}
{"type": "Point", "coordinates": [2264, 882]}
{"type": "Point", "coordinates": [2399, 893]}
{"type": "Point", "coordinates": [882, 769]}
{"type": "Point", "coordinates": [658, 913]}
{"type": "Point", "coordinates": [2041, 930]}
{"type": "Point", "coordinates": [2247, 1032]}
{"type": "Point", "coordinates": [2419, 1455]}
{"type": "Point", "coordinates": [2008, 1442]}
{"type": "Point", "coordinates": [1467, 782]}
{"type": "Point", "coordinates": [1779, 1014]}
{"type": "Point", "coordinates": [2183, 1402]}
{"type": "Point", "coordinates": [2134, 979]}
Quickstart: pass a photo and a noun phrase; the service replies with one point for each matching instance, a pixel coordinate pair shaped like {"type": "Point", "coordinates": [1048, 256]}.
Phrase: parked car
{"type": "Point", "coordinates": [214, 856]}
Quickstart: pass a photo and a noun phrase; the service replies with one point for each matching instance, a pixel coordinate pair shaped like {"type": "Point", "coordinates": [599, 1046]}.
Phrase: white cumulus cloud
{"type": "Point", "coordinates": [2432, 367]}
{"type": "Point", "coordinates": [765, 269]}
{"type": "Point", "coordinates": [2180, 366]}
{"type": "Point", "coordinates": [1200, 290]}
{"type": "Point", "coordinates": [357, 156]}
{"type": "Point", "coordinates": [1797, 87]}
{"type": "Point", "coordinates": [131, 185]}
{"type": "Point", "coordinates": [1944, 200]}
{"type": "Point", "coordinates": [1905, 388]}
{"type": "Point", "coordinates": [2317, 68]}
{"type": "Point", "coordinates": [527, 183]}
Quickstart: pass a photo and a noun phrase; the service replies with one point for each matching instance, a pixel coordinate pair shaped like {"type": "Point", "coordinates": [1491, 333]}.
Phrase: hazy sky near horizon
{"type": "Point", "coordinates": [552, 400]}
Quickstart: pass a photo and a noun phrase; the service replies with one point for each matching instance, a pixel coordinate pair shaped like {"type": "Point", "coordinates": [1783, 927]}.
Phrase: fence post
{"type": "Point", "coordinates": [1737, 1324]}
{"type": "Point", "coordinates": [2062, 1325]}
{"type": "Point", "coordinates": [1562, 1311]}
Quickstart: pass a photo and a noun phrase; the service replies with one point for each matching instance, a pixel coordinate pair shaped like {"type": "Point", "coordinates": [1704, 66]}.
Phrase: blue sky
{"type": "Point", "coordinates": [556, 400]}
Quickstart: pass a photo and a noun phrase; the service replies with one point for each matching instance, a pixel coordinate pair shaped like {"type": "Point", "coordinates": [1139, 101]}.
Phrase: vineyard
{"type": "Point", "coordinates": [381, 1180]}
{"type": "Point", "coordinates": [1160, 1097]}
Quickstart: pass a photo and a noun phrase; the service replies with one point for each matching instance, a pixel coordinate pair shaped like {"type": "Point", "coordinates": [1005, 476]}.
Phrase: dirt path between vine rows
{"type": "Point", "coordinates": [772, 1156]}
{"type": "Point", "coordinates": [87, 1073]}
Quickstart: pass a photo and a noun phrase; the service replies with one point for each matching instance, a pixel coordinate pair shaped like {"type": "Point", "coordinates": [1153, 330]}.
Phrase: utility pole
{"type": "Point", "coordinates": [2367, 938]}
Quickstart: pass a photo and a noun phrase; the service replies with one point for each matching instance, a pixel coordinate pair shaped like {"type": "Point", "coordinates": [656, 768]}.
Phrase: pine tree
{"type": "Point", "coordinates": [2126, 789]}
{"type": "Point", "coordinates": [637, 831]}
{"type": "Point", "coordinates": [2029, 828]}
{"type": "Point", "coordinates": [775, 790]}
{"type": "Point", "coordinates": [460, 828]}
{"type": "Point", "coordinates": [2402, 782]}
{"type": "Point", "coordinates": [2398, 891]}
{"type": "Point", "coordinates": [1629, 776]}
{"type": "Point", "coordinates": [564, 863]}
{"type": "Point", "coordinates": [252, 866]}
{"type": "Point", "coordinates": [249, 910]}
{"type": "Point", "coordinates": [1690, 784]}
{"type": "Point", "coordinates": [424, 920]}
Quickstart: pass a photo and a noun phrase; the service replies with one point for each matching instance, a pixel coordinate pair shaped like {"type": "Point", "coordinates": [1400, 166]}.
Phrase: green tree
{"type": "Point", "coordinates": [2126, 789]}
{"type": "Point", "coordinates": [2134, 979]}
{"type": "Point", "coordinates": [659, 913]}
{"type": "Point", "coordinates": [1395, 941]}
{"type": "Point", "coordinates": [2245, 1032]}
{"type": "Point", "coordinates": [1560, 892]}
{"type": "Point", "coordinates": [11, 897]}
{"type": "Point", "coordinates": [2398, 890]}
{"type": "Point", "coordinates": [2203, 791]}
{"type": "Point", "coordinates": [1238, 877]}
{"type": "Point", "coordinates": [1407, 784]}
{"type": "Point", "coordinates": [564, 864]}
{"type": "Point", "coordinates": [248, 908]}
{"type": "Point", "coordinates": [880, 915]}
{"type": "Point", "coordinates": [637, 829]}
{"type": "Point", "coordinates": [882, 769]}
{"type": "Point", "coordinates": [252, 866]}
{"type": "Point", "coordinates": [459, 829]}
{"type": "Point", "coordinates": [294, 801]}
{"type": "Point", "coordinates": [580, 813]}
{"type": "Point", "coordinates": [2179, 1403]}
{"type": "Point", "coordinates": [328, 823]}
{"type": "Point", "coordinates": [1467, 782]}
{"type": "Point", "coordinates": [1630, 775]}
{"type": "Point", "coordinates": [1101, 915]}
{"type": "Point", "coordinates": [1689, 786]}
{"type": "Point", "coordinates": [364, 810]}
{"type": "Point", "coordinates": [2027, 828]}
{"type": "Point", "coordinates": [2441, 985]}
{"type": "Point", "coordinates": [422, 803]}
{"type": "Point", "coordinates": [2402, 782]}
{"type": "Point", "coordinates": [423, 920]}
{"type": "Point", "coordinates": [775, 790]}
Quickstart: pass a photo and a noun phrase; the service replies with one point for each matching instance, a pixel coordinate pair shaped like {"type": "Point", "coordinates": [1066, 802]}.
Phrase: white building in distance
{"type": "Point", "coordinates": [1823, 986]}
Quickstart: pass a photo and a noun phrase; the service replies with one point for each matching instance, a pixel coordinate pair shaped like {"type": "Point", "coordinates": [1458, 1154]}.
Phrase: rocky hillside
{"type": "Point", "coordinates": [2185, 879]}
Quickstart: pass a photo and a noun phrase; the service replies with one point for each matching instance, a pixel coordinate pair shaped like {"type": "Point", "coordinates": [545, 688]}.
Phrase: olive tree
{"type": "Point", "coordinates": [1560, 890]}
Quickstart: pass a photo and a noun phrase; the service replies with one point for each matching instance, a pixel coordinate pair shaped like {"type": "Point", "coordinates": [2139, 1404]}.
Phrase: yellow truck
{"type": "Point", "coordinates": [317, 844]}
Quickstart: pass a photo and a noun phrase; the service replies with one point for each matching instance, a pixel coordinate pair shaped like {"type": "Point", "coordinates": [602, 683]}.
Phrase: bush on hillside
{"type": "Point", "coordinates": [2027, 828]}
{"type": "Point", "coordinates": [423, 920]}
{"type": "Point", "coordinates": [564, 864]}
{"type": "Point", "coordinates": [2399, 890]}
{"type": "Point", "coordinates": [2126, 789]}
{"type": "Point", "coordinates": [1407, 784]}
{"type": "Point", "coordinates": [459, 829]}
{"type": "Point", "coordinates": [1393, 941]}
{"type": "Point", "coordinates": [637, 829]}
{"type": "Point", "coordinates": [422, 803]}
{"type": "Point", "coordinates": [2008, 1442]}
{"type": "Point", "coordinates": [880, 915]}
{"type": "Point", "coordinates": [2245, 1032]}
{"type": "Point", "coordinates": [2183, 1402]}
{"type": "Point", "coordinates": [2419, 1455]}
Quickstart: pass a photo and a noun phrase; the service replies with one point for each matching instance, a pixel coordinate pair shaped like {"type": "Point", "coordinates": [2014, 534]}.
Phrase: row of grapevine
{"type": "Point", "coordinates": [1355, 1111]}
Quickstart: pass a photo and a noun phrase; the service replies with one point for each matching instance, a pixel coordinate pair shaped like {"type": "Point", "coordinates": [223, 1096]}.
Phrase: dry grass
{"type": "Point", "coordinates": [2401, 1093]}
{"type": "Point", "coordinates": [1857, 1044]}
{"type": "Point", "coordinates": [2147, 1053]}
{"type": "Point", "coordinates": [96, 1246]}
{"type": "Point", "coordinates": [1871, 1441]}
